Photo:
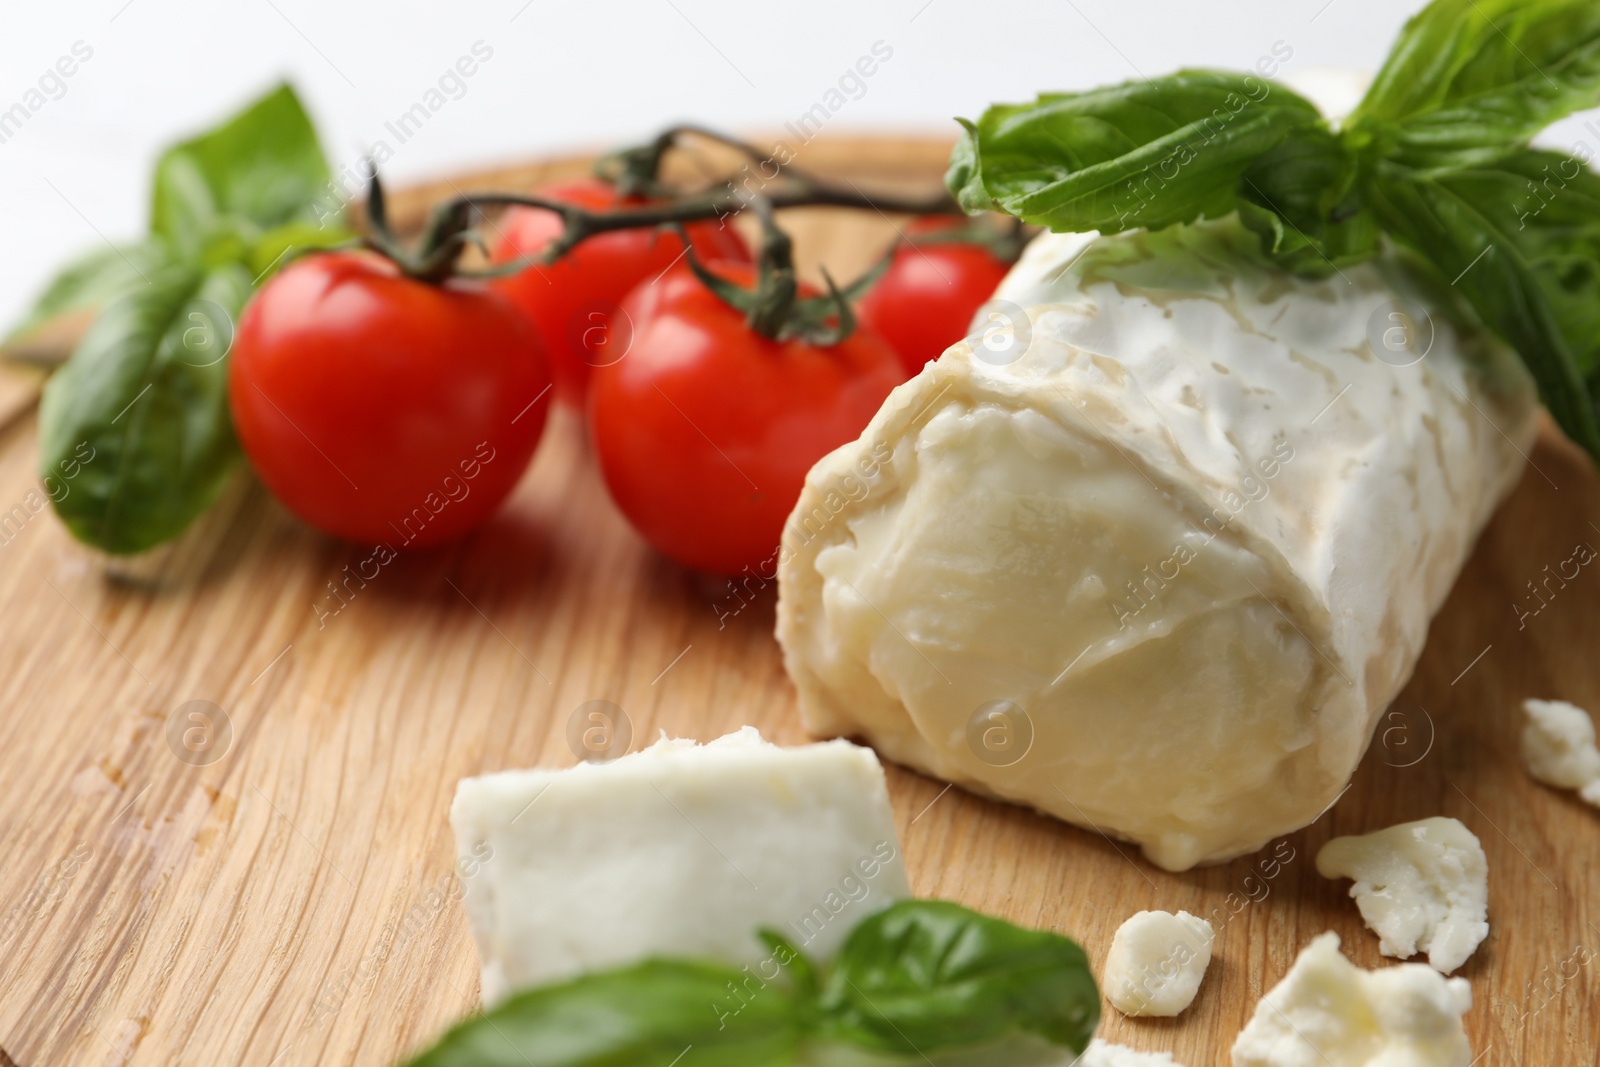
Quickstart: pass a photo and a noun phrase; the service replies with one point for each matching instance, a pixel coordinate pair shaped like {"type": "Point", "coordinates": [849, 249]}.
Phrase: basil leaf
{"type": "Point", "coordinates": [925, 975]}
{"type": "Point", "coordinates": [964, 176]}
{"type": "Point", "coordinates": [802, 972]}
{"type": "Point", "coordinates": [261, 169]}
{"type": "Point", "coordinates": [1303, 198]}
{"type": "Point", "coordinates": [648, 1015]}
{"type": "Point", "coordinates": [1149, 153]}
{"type": "Point", "coordinates": [93, 281]}
{"type": "Point", "coordinates": [1469, 81]}
{"type": "Point", "coordinates": [248, 191]}
{"type": "Point", "coordinates": [1528, 262]}
{"type": "Point", "coordinates": [146, 394]}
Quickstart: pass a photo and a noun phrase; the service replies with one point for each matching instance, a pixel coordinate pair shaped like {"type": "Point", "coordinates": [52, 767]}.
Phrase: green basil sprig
{"type": "Point", "coordinates": [1436, 157]}
{"type": "Point", "coordinates": [928, 976]}
{"type": "Point", "coordinates": [146, 387]}
{"type": "Point", "coordinates": [1142, 154]}
{"type": "Point", "coordinates": [1470, 81]}
{"type": "Point", "coordinates": [919, 978]}
{"type": "Point", "coordinates": [1534, 279]}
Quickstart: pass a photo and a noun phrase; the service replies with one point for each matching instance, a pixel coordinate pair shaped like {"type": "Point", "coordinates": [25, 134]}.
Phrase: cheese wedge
{"type": "Point", "coordinates": [680, 850]}
{"type": "Point", "coordinates": [1154, 552]}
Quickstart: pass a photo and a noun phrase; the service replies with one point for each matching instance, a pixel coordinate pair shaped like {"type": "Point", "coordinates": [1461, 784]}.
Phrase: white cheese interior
{"type": "Point", "coordinates": [1421, 886]}
{"type": "Point", "coordinates": [1327, 1011]}
{"type": "Point", "coordinates": [1194, 531]}
{"type": "Point", "coordinates": [679, 850]}
{"type": "Point", "coordinates": [1027, 560]}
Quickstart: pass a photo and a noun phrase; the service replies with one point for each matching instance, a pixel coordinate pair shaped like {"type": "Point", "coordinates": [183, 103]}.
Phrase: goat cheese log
{"type": "Point", "coordinates": [1153, 553]}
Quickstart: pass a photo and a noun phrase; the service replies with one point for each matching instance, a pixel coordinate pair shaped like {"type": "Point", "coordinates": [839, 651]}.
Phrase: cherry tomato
{"type": "Point", "coordinates": [705, 430]}
{"type": "Point", "coordinates": [383, 409]}
{"type": "Point", "coordinates": [573, 302]}
{"type": "Point", "coordinates": [925, 302]}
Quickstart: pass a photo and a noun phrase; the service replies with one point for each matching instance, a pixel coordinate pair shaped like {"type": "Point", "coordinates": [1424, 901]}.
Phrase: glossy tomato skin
{"type": "Point", "coordinates": [573, 302]}
{"type": "Point", "coordinates": [704, 431]}
{"type": "Point", "coordinates": [382, 409]}
{"type": "Point", "coordinates": [925, 302]}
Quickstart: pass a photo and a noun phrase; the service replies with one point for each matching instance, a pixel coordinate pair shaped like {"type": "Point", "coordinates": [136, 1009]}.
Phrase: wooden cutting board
{"type": "Point", "coordinates": [292, 901]}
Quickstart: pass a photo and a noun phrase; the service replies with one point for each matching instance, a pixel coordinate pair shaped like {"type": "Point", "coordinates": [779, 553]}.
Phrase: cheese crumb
{"type": "Point", "coordinates": [1421, 886]}
{"type": "Point", "coordinates": [1104, 1054]}
{"type": "Point", "coordinates": [1558, 747]}
{"type": "Point", "coordinates": [1156, 962]}
{"type": "Point", "coordinates": [1329, 1011]}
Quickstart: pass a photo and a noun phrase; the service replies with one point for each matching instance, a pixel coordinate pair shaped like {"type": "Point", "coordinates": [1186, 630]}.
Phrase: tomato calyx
{"type": "Point", "coordinates": [774, 308]}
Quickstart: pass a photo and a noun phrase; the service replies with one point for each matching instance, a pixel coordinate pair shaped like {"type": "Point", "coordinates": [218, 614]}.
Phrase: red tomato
{"type": "Point", "coordinates": [573, 302]}
{"type": "Point", "coordinates": [925, 302]}
{"type": "Point", "coordinates": [383, 409]}
{"type": "Point", "coordinates": [705, 430]}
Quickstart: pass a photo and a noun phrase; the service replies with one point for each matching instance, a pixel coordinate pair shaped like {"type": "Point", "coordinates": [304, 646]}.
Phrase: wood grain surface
{"type": "Point", "coordinates": [287, 897]}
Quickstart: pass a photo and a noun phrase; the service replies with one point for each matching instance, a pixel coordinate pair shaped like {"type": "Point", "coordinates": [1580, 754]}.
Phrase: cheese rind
{"type": "Point", "coordinates": [1558, 747]}
{"type": "Point", "coordinates": [1156, 962]}
{"type": "Point", "coordinates": [1327, 1011]}
{"type": "Point", "coordinates": [1421, 886]}
{"type": "Point", "coordinates": [1175, 449]}
{"type": "Point", "coordinates": [680, 850]}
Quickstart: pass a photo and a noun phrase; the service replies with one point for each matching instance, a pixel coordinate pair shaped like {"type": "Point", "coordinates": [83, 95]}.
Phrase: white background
{"type": "Point", "coordinates": [569, 74]}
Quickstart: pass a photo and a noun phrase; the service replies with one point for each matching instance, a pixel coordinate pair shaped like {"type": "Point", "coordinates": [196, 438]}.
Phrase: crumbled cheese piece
{"type": "Point", "coordinates": [1156, 962]}
{"type": "Point", "coordinates": [1104, 1054]}
{"type": "Point", "coordinates": [1558, 747]}
{"type": "Point", "coordinates": [1421, 886]}
{"type": "Point", "coordinates": [1327, 1012]}
{"type": "Point", "coordinates": [678, 850]}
